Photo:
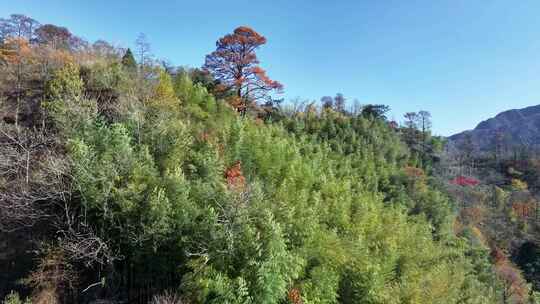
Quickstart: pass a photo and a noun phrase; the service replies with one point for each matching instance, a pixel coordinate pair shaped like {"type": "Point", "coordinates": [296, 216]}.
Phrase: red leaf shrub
{"type": "Point", "coordinates": [464, 181]}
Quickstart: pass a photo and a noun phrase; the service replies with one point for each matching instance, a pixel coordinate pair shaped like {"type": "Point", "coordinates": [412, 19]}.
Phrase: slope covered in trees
{"type": "Point", "coordinates": [136, 182]}
{"type": "Point", "coordinates": [497, 195]}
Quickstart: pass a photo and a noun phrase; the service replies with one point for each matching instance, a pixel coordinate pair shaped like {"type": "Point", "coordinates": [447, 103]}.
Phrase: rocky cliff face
{"type": "Point", "coordinates": [518, 128]}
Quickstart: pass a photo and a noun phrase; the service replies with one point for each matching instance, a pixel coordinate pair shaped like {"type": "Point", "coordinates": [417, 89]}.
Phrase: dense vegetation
{"type": "Point", "coordinates": [134, 181]}
{"type": "Point", "coordinates": [497, 194]}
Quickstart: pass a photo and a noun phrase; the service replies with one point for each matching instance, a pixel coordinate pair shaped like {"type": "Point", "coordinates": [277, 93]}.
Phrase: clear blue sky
{"type": "Point", "coordinates": [463, 60]}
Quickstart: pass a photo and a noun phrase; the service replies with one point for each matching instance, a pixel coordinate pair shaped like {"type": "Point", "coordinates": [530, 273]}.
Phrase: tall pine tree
{"type": "Point", "coordinates": [128, 61]}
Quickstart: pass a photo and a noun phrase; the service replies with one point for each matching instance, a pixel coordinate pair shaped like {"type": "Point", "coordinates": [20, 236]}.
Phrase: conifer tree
{"type": "Point", "coordinates": [234, 63]}
{"type": "Point", "coordinates": [128, 61]}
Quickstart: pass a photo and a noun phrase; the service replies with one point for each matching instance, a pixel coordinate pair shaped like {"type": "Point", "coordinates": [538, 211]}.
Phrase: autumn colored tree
{"type": "Point", "coordinates": [523, 209]}
{"type": "Point", "coordinates": [235, 178]}
{"type": "Point", "coordinates": [416, 178]}
{"type": "Point", "coordinates": [164, 97]}
{"type": "Point", "coordinates": [514, 289]}
{"type": "Point", "coordinates": [294, 296]}
{"type": "Point", "coordinates": [235, 65]}
{"type": "Point", "coordinates": [16, 54]}
{"type": "Point", "coordinates": [472, 215]}
{"type": "Point", "coordinates": [104, 49]}
{"type": "Point", "coordinates": [56, 36]}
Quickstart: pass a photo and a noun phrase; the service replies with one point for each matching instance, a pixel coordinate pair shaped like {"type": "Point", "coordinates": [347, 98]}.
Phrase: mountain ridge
{"type": "Point", "coordinates": [511, 128]}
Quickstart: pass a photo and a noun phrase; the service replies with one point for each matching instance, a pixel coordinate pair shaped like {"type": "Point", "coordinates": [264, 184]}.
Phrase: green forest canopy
{"type": "Point", "coordinates": [135, 182]}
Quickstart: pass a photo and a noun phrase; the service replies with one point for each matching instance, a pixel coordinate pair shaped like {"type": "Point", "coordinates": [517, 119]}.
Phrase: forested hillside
{"type": "Point", "coordinates": [497, 192]}
{"type": "Point", "coordinates": [124, 179]}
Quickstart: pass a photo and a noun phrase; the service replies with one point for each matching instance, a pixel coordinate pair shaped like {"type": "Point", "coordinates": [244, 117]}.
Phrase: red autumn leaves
{"type": "Point", "coordinates": [235, 179]}
{"type": "Point", "coordinates": [294, 296]}
{"type": "Point", "coordinates": [235, 66]}
{"type": "Point", "coordinates": [464, 181]}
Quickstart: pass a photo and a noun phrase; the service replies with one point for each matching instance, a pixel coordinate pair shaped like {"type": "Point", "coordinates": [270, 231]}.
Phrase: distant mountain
{"type": "Point", "coordinates": [509, 129]}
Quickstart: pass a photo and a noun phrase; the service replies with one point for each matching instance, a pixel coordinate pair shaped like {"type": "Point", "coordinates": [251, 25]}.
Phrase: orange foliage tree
{"type": "Point", "coordinates": [514, 286]}
{"type": "Point", "coordinates": [15, 51]}
{"type": "Point", "coordinates": [294, 296]}
{"type": "Point", "coordinates": [416, 178]}
{"type": "Point", "coordinates": [235, 65]}
{"type": "Point", "coordinates": [472, 215]}
{"type": "Point", "coordinates": [235, 178]}
{"type": "Point", "coordinates": [17, 55]}
{"type": "Point", "coordinates": [524, 209]}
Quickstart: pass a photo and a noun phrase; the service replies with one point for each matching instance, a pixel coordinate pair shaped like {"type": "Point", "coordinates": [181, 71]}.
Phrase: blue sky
{"type": "Point", "coordinates": [462, 60]}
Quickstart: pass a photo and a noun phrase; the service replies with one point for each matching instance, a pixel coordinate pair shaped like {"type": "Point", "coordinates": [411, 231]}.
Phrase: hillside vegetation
{"type": "Point", "coordinates": [131, 181]}
{"type": "Point", "coordinates": [497, 196]}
